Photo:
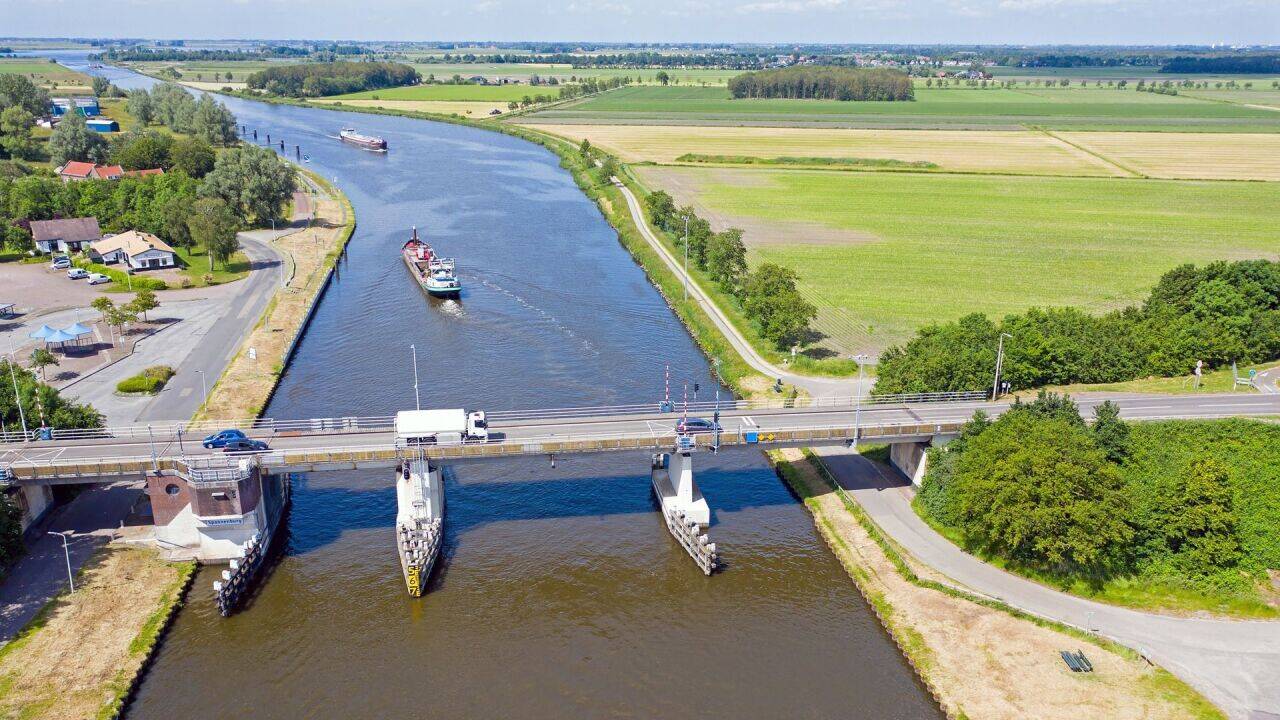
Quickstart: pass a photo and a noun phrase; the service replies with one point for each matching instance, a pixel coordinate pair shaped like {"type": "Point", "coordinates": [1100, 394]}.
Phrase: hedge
{"type": "Point", "coordinates": [122, 278]}
{"type": "Point", "coordinates": [150, 380]}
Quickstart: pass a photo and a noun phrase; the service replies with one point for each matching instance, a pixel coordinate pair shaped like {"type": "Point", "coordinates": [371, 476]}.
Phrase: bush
{"type": "Point", "coordinates": [10, 256]}
{"type": "Point", "coordinates": [121, 278]}
{"type": "Point", "coordinates": [150, 380]}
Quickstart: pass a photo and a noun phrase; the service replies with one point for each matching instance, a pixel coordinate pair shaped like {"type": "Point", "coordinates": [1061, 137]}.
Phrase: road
{"type": "Point", "coordinates": [1236, 664]}
{"type": "Point", "coordinates": [815, 386]}
{"type": "Point", "coordinates": [528, 428]}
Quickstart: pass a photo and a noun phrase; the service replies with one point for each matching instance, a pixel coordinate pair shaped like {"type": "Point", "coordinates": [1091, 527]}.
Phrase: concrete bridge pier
{"type": "Point", "coordinates": [684, 509]}
{"type": "Point", "coordinates": [912, 458]}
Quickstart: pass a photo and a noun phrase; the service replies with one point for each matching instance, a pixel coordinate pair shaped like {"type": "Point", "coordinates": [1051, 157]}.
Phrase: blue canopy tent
{"type": "Point", "coordinates": [59, 336]}
{"type": "Point", "coordinates": [43, 333]}
{"type": "Point", "coordinates": [77, 330]}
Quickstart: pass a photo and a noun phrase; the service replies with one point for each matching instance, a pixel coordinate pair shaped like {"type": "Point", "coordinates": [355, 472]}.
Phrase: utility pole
{"type": "Point", "coordinates": [857, 409]}
{"type": "Point", "coordinates": [417, 400]}
{"type": "Point", "coordinates": [995, 385]}
{"type": "Point", "coordinates": [71, 580]}
{"type": "Point", "coordinates": [204, 388]}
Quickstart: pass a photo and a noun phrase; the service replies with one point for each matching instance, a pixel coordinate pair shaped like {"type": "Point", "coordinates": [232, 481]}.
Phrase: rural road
{"type": "Point", "coordinates": [1234, 663]}
{"type": "Point", "coordinates": [815, 386]}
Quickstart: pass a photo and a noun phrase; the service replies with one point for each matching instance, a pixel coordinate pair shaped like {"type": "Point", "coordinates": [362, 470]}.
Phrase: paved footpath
{"type": "Point", "coordinates": [1236, 664]}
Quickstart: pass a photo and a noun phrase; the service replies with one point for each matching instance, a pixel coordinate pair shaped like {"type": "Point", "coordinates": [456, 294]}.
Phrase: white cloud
{"type": "Point", "coordinates": [788, 6]}
{"type": "Point", "coordinates": [598, 6]}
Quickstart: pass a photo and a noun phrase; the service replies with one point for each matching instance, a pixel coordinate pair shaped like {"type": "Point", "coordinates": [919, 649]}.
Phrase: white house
{"type": "Point", "coordinates": [65, 235]}
{"type": "Point", "coordinates": [138, 250]}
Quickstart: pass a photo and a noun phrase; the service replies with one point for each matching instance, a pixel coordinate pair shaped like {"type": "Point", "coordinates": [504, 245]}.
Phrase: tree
{"type": "Point", "coordinates": [1110, 432]}
{"type": "Point", "coordinates": [119, 316]}
{"type": "Point", "coordinates": [41, 359]}
{"type": "Point", "coordinates": [608, 168]}
{"type": "Point", "coordinates": [141, 106]}
{"type": "Point", "coordinates": [17, 90]}
{"type": "Point", "coordinates": [10, 531]}
{"type": "Point", "coordinates": [143, 150]}
{"type": "Point", "coordinates": [193, 156]}
{"type": "Point", "coordinates": [771, 298]}
{"type": "Point", "coordinates": [144, 300]}
{"type": "Point", "coordinates": [73, 140]}
{"type": "Point", "coordinates": [585, 148]}
{"type": "Point", "coordinates": [174, 214]}
{"type": "Point", "coordinates": [15, 133]}
{"type": "Point", "coordinates": [100, 86]}
{"type": "Point", "coordinates": [1037, 490]}
{"type": "Point", "coordinates": [727, 260]}
{"type": "Point", "coordinates": [103, 305]}
{"type": "Point", "coordinates": [254, 182]}
{"type": "Point", "coordinates": [213, 224]}
{"type": "Point", "coordinates": [213, 122]}
{"type": "Point", "coordinates": [1202, 531]}
{"type": "Point", "coordinates": [662, 77]}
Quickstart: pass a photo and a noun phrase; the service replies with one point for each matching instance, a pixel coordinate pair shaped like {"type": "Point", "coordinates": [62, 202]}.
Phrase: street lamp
{"type": "Point", "coordinates": [204, 388]}
{"type": "Point", "coordinates": [67, 552]}
{"type": "Point", "coordinates": [17, 397]}
{"type": "Point", "coordinates": [417, 400]}
{"type": "Point", "coordinates": [857, 410]}
{"type": "Point", "coordinates": [995, 385]}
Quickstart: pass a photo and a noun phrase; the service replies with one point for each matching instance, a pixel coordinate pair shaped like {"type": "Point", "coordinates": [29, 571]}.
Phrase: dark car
{"type": "Point", "coordinates": [220, 439]}
{"type": "Point", "coordinates": [236, 445]}
{"type": "Point", "coordinates": [693, 426]}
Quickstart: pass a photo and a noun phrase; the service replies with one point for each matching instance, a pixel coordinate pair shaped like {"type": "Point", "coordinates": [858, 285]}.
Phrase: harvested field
{"type": "Point", "coordinates": [89, 645]}
{"type": "Point", "coordinates": [1213, 156]}
{"type": "Point", "coordinates": [902, 250]}
{"type": "Point", "coordinates": [454, 93]}
{"type": "Point", "coordinates": [997, 151]}
{"type": "Point", "coordinates": [982, 661]}
{"type": "Point", "coordinates": [441, 107]}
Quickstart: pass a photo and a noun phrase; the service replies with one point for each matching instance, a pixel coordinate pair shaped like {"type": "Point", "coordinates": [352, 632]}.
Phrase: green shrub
{"type": "Point", "coordinates": [12, 256]}
{"type": "Point", "coordinates": [120, 278]}
{"type": "Point", "coordinates": [150, 380]}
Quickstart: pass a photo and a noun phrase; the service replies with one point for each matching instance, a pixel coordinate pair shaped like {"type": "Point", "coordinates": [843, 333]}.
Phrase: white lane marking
{"type": "Point", "coordinates": [185, 392]}
{"type": "Point", "coordinates": [1240, 405]}
{"type": "Point", "coordinates": [1145, 407]}
{"type": "Point", "coordinates": [746, 420]}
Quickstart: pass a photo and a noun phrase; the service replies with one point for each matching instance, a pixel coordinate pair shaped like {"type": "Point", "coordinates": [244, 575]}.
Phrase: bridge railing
{"type": "Point", "coordinates": [197, 429]}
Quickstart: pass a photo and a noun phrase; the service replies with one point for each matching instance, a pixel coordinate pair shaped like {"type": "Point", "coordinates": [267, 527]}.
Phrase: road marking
{"type": "Point", "coordinates": [185, 392]}
{"type": "Point", "coordinates": [1241, 405]}
{"type": "Point", "coordinates": [746, 420]}
{"type": "Point", "coordinates": [1149, 407]}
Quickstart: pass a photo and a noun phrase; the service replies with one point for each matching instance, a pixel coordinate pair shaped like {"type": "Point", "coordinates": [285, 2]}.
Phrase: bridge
{"type": "Point", "coordinates": [218, 500]}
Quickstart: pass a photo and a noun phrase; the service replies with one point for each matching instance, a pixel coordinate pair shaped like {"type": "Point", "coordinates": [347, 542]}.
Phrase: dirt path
{"type": "Point", "coordinates": [983, 662]}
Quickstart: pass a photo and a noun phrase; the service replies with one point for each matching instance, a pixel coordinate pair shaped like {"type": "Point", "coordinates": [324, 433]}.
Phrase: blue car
{"type": "Point", "coordinates": [220, 439]}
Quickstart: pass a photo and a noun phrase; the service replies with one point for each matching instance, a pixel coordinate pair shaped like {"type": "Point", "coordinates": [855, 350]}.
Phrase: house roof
{"type": "Point", "coordinates": [75, 168]}
{"type": "Point", "coordinates": [83, 229]}
{"type": "Point", "coordinates": [108, 172]}
{"type": "Point", "coordinates": [133, 242]}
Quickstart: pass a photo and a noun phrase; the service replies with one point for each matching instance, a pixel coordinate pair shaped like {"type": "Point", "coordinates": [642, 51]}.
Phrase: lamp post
{"type": "Point", "coordinates": [67, 552]}
{"type": "Point", "coordinates": [857, 410]}
{"type": "Point", "coordinates": [995, 385]}
{"type": "Point", "coordinates": [17, 398]}
{"type": "Point", "coordinates": [686, 257]}
{"type": "Point", "coordinates": [417, 400]}
{"type": "Point", "coordinates": [204, 388]}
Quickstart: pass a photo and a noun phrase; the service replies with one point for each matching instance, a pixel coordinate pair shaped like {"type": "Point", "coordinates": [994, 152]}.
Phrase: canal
{"type": "Point", "coordinates": [559, 589]}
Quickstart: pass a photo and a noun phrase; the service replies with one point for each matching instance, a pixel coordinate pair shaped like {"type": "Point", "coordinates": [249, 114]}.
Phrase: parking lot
{"type": "Point", "coordinates": [39, 289]}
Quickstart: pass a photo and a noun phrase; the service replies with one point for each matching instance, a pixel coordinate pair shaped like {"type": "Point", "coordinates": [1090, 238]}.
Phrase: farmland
{"type": "Point", "coordinates": [439, 107]}
{"type": "Point", "coordinates": [900, 250]}
{"type": "Point", "coordinates": [522, 72]}
{"type": "Point", "coordinates": [453, 93]}
{"type": "Point", "coordinates": [955, 108]}
{"type": "Point", "coordinates": [49, 75]}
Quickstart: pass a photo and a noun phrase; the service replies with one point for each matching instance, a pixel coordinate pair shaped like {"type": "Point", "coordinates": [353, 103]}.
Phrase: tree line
{"type": "Point", "coordinates": [1045, 491]}
{"type": "Point", "coordinates": [767, 294]}
{"type": "Point", "coordinates": [824, 82]}
{"type": "Point", "coordinates": [1220, 313]}
{"type": "Point", "coordinates": [736, 61]}
{"type": "Point", "coordinates": [171, 105]}
{"type": "Point", "coordinates": [139, 54]}
{"type": "Point", "coordinates": [335, 78]}
{"type": "Point", "coordinates": [1250, 64]}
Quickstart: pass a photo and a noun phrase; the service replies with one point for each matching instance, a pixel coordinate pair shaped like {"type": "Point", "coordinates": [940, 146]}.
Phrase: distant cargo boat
{"type": "Point", "coordinates": [434, 274]}
{"type": "Point", "coordinates": [368, 142]}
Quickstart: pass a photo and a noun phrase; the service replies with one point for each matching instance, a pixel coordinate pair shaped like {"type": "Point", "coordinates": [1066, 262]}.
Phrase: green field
{"type": "Point", "coordinates": [203, 71]}
{"type": "Point", "coordinates": [1055, 108]}
{"type": "Point", "coordinates": [898, 251]}
{"type": "Point", "coordinates": [522, 71]}
{"type": "Point", "coordinates": [44, 73]}
{"type": "Point", "coordinates": [455, 93]}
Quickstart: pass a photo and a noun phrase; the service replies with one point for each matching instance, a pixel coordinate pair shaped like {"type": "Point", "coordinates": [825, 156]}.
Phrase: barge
{"type": "Point", "coordinates": [437, 276]}
{"type": "Point", "coordinates": [368, 142]}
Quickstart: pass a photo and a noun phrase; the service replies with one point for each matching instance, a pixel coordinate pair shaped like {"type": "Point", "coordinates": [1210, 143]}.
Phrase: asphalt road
{"type": "Point", "coordinates": [1236, 664]}
{"type": "Point", "coordinates": [600, 426]}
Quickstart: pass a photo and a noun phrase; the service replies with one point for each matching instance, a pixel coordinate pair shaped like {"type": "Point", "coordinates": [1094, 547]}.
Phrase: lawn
{"type": "Point", "coordinates": [900, 250]}
{"type": "Point", "coordinates": [195, 266]}
{"type": "Point", "coordinates": [1058, 108]}
{"type": "Point", "coordinates": [49, 75]}
{"type": "Point", "coordinates": [454, 93]}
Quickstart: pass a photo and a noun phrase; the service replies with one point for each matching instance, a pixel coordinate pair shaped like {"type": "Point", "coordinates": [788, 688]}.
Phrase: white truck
{"type": "Point", "coordinates": [440, 427]}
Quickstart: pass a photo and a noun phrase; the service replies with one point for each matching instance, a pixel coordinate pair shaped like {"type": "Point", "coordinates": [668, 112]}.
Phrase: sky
{"type": "Point", "coordinates": [1146, 22]}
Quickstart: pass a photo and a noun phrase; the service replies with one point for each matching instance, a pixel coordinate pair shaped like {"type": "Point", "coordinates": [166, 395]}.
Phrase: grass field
{"type": "Point", "coordinates": [1057, 108]}
{"type": "Point", "coordinates": [897, 251]}
{"type": "Point", "coordinates": [1003, 151]}
{"type": "Point", "coordinates": [454, 93]}
{"type": "Point", "coordinates": [522, 71]}
{"type": "Point", "coordinates": [49, 75]}
{"type": "Point", "coordinates": [204, 71]}
{"type": "Point", "coordinates": [442, 107]}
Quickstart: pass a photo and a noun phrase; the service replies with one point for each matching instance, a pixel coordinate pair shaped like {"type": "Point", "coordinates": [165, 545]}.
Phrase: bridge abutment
{"type": "Point", "coordinates": [912, 458]}
{"type": "Point", "coordinates": [684, 509]}
{"type": "Point", "coordinates": [210, 516]}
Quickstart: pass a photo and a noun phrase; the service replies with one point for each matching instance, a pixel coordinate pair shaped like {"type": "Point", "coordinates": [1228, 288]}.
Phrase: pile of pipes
{"type": "Point", "coordinates": [234, 585]}
{"type": "Point", "coordinates": [690, 536]}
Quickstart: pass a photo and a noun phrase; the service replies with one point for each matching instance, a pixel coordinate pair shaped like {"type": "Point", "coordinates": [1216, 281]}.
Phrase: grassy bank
{"type": "Point", "coordinates": [1004, 664]}
{"type": "Point", "coordinates": [82, 655]}
{"type": "Point", "coordinates": [246, 385]}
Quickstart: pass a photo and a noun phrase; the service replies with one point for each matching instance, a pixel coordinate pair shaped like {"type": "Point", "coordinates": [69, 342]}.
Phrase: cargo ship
{"type": "Point", "coordinates": [438, 276]}
{"type": "Point", "coordinates": [419, 521]}
{"type": "Point", "coordinates": [368, 142]}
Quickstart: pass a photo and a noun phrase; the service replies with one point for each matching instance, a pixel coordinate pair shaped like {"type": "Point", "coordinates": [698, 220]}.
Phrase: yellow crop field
{"type": "Point", "coordinates": [996, 151]}
{"type": "Point", "coordinates": [441, 107]}
{"type": "Point", "coordinates": [1208, 156]}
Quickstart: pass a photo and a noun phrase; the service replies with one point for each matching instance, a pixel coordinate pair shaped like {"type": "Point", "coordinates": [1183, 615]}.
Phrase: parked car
{"type": "Point", "coordinates": [221, 438]}
{"type": "Point", "coordinates": [693, 426]}
{"type": "Point", "coordinates": [77, 273]}
{"type": "Point", "coordinates": [241, 445]}
{"type": "Point", "coordinates": [98, 279]}
{"type": "Point", "coordinates": [60, 262]}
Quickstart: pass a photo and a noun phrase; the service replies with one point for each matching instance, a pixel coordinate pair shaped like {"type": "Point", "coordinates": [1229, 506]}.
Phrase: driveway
{"type": "Point", "coordinates": [1236, 664]}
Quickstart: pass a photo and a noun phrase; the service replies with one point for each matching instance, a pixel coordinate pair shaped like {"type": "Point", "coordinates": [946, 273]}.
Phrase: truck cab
{"type": "Point", "coordinates": [477, 426]}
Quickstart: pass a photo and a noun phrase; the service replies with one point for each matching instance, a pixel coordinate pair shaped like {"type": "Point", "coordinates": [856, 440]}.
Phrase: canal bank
{"type": "Point", "coordinates": [558, 589]}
